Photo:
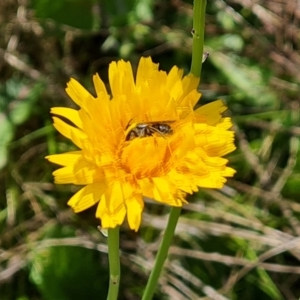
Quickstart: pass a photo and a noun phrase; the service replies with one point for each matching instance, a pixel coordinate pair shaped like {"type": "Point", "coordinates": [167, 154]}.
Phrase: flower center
{"type": "Point", "coordinates": [146, 155]}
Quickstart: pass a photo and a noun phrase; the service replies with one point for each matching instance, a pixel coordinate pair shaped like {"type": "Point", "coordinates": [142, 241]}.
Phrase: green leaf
{"type": "Point", "coordinates": [76, 13]}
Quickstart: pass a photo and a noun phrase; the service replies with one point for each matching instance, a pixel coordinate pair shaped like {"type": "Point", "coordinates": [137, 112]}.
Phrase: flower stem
{"type": "Point", "coordinates": [114, 263]}
{"type": "Point", "coordinates": [198, 36]}
{"type": "Point", "coordinates": [162, 253]}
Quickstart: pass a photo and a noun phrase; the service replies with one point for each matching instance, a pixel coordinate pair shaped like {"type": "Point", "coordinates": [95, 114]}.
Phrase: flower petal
{"type": "Point", "coordinates": [87, 196]}
{"type": "Point", "coordinates": [68, 113]}
{"type": "Point", "coordinates": [145, 71]}
{"type": "Point", "coordinates": [134, 207]}
{"type": "Point", "coordinates": [100, 86]}
{"type": "Point", "coordinates": [111, 209]}
{"type": "Point", "coordinates": [210, 113]}
{"type": "Point", "coordinates": [70, 132]}
{"type": "Point", "coordinates": [78, 93]}
{"type": "Point", "coordinates": [65, 159]}
{"type": "Point", "coordinates": [79, 172]}
{"type": "Point", "coordinates": [121, 78]}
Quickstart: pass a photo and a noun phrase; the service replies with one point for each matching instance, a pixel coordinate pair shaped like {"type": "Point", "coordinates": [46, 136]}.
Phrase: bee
{"type": "Point", "coordinates": [140, 130]}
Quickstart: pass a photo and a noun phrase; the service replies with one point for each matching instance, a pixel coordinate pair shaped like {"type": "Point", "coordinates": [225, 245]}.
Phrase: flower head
{"type": "Point", "coordinates": [146, 140]}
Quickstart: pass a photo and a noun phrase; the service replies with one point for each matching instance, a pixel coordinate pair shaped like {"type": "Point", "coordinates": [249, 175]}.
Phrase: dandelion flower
{"type": "Point", "coordinates": [145, 140]}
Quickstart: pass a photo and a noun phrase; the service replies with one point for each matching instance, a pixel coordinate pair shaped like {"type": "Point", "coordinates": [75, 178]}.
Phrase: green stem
{"type": "Point", "coordinates": [114, 263]}
{"type": "Point", "coordinates": [198, 36]}
{"type": "Point", "coordinates": [162, 253]}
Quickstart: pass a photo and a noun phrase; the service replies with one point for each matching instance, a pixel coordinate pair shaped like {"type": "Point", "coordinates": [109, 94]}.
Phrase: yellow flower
{"type": "Point", "coordinates": [143, 141]}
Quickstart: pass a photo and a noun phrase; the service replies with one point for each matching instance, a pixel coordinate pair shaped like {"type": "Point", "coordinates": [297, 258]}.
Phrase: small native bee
{"type": "Point", "coordinates": [140, 130]}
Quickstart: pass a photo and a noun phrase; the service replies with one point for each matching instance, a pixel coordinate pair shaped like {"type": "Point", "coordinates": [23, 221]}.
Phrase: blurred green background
{"type": "Point", "coordinates": [241, 242]}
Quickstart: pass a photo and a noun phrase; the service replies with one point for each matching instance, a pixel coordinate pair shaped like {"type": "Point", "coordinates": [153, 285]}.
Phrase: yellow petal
{"type": "Point", "coordinates": [190, 82]}
{"type": "Point", "coordinates": [78, 93]}
{"type": "Point", "coordinates": [87, 196]}
{"type": "Point", "coordinates": [87, 174]}
{"type": "Point", "coordinates": [68, 113]}
{"type": "Point", "coordinates": [65, 159]}
{"type": "Point", "coordinates": [161, 190]}
{"type": "Point", "coordinates": [64, 175]}
{"type": "Point", "coordinates": [210, 113]}
{"type": "Point", "coordinates": [182, 181]}
{"type": "Point", "coordinates": [212, 181]}
{"type": "Point", "coordinates": [70, 132]}
{"type": "Point", "coordinates": [134, 207]}
{"type": "Point", "coordinates": [153, 151]}
{"type": "Point", "coordinates": [80, 172]}
{"type": "Point", "coordinates": [121, 78]}
{"type": "Point", "coordinates": [190, 94]}
{"type": "Point", "coordinates": [111, 209]}
{"type": "Point", "coordinates": [145, 70]}
{"type": "Point", "coordinates": [99, 86]}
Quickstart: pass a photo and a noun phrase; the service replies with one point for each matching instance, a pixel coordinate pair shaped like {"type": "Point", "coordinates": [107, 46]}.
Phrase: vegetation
{"type": "Point", "coordinates": [241, 242]}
